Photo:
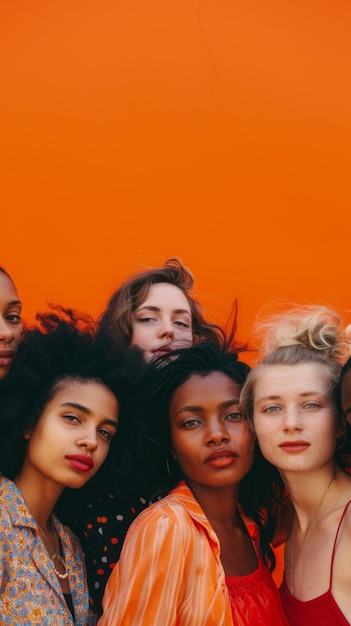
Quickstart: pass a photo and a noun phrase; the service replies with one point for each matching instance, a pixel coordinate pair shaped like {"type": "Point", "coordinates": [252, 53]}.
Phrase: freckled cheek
{"type": "Point", "coordinates": [264, 427]}
{"type": "Point", "coordinates": [268, 448]}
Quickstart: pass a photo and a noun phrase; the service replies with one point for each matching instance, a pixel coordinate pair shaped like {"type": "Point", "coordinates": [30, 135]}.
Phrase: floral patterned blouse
{"type": "Point", "coordinates": [30, 593]}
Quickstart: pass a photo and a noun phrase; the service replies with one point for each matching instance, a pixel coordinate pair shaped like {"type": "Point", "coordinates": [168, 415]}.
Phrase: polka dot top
{"type": "Point", "coordinates": [102, 528]}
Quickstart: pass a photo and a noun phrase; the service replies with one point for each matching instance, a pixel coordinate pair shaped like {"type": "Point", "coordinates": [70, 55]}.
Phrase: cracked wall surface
{"type": "Point", "coordinates": [213, 130]}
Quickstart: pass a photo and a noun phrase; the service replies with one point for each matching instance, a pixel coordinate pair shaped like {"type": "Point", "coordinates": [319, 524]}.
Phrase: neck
{"type": "Point", "coordinates": [40, 500]}
{"type": "Point", "coordinates": [218, 504]}
{"type": "Point", "coordinates": [309, 493]}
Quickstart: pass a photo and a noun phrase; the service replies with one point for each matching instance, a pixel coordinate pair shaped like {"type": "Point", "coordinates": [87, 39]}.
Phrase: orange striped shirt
{"type": "Point", "coordinates": [169, 572]}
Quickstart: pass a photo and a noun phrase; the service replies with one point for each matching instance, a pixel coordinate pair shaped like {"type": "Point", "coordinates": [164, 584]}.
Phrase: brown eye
{"type": "Point", "coordinates": [234, 416]}
{"type": "Point", "coordinates": [105, 433]}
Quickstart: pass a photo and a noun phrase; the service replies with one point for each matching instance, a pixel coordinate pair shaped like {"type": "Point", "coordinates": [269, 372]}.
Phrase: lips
{"type": "Point", "coordinates": [294, 446]}
{"type": "Point", "coordinates": [80, 462]}
{"type": "Point", "coordinates": [221, 458]}
{"type": "Point", "coordinates": [7, 356]}
{"type": "Point", "coordinates": [163, 349]}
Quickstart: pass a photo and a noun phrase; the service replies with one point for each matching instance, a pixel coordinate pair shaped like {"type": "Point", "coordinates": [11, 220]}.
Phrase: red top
{"type": "Point", "coordinates": [322, 610]}
{"type": "Point", "coordinates": [254, 599]}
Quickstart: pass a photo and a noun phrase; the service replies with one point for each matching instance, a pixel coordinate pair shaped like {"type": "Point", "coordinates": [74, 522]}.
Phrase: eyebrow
{"type": "Point", "coordinates": [197, 409]}
{"type": "Point", "coordinates": [157, 310]}
{"type": "Point", "coordinates": [84, 409]}
{"type": "Point", "coordinates": [15, 302]}
{"type": "Point", "coordinates": [305, 394]}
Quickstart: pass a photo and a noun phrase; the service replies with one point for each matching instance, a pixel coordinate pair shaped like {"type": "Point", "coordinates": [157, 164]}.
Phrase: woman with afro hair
{"type": "Point", "coordinates": [60, 410]}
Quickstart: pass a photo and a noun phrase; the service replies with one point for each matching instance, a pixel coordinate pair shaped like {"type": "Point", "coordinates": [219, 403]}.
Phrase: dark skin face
{"type": "Point", "coordinates": [346, 396]}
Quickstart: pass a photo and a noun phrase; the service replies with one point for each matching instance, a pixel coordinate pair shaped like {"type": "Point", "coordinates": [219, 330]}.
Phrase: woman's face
{"type": "Point", "coordinates": [11, 329]}
{"type": "Point", "coordinates": [162, 322]}
{"type": "Point", "coordinates": [346, 396]}
{"type": "Point", "coordinates": [211, 438]}
{"type": "Point", "coordinates": [72, 437]}
{"type": "Point", "coordinates": [295, 417]}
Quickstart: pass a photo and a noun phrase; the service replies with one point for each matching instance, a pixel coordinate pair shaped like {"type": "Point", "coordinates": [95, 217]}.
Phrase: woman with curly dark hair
{"type": "Point", "coordinates": [60, 410]}
{"type": "Point", "coordinates": [155, 311]}
{"type": "Point", "coordinates": [189, 558]}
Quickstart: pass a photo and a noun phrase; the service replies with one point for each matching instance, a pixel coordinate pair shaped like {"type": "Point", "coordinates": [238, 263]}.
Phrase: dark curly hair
{"type": "Point", "coordinates": [158, 385]}
{"type": "Point", "coordinates": [60, 347]}
{"type": "Point", "coordinates": [115, 325]}
{"type": "Point", "coordinates": [345, 452]}
{"type": "Point", "coordinates": [345, 368]}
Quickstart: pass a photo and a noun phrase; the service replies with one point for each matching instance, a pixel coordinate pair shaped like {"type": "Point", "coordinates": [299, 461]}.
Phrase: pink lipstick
{"type": "Point", "coordinates": [293, 447]}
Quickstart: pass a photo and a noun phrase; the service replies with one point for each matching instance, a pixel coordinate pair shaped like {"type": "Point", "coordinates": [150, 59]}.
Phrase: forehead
{"type": "Point", "coordinates": [291, 379]}
{"type": "Point", "coordinates": [215, 387]}
{"type": "Point", "coordinates": [165, 295]}
{"type": "Point", "coordinates": [7, 288]}
{"type": "Point", "coordinates": [91, 394]}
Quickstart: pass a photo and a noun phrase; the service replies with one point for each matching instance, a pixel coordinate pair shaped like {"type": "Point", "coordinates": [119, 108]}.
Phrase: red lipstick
{"type": "Point", "coordinates": [80, 462]}
{"type": "Point", "coordinates": [221, 458]}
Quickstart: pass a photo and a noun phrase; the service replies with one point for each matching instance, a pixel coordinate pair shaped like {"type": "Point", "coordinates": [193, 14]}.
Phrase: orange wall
{"type": "Point", "coordinates": [212, 130]}
{"type": "Point", "coordinates": [218, 131]}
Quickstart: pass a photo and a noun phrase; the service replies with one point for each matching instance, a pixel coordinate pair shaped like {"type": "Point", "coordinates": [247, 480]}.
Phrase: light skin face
{"type": "Point", "coordinates": [71, 439]}
{"type": "Point", "coordinates": [11, 329]}
{"type": "Point", "coordinates": [211, 438]}
{"type": "Point", "coordinates": [162, 322]}
{"type": "Point", "coordinates": [295, 417]}
{"type": "Point", "coordinates": [346, 396]}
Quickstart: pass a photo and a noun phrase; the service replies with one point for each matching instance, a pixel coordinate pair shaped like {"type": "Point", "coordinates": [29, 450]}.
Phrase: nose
{"type": "Point", "coordinates": [88, 440]}
{"type": "Point", "coordinates": [292, 420]}
{"type": "Point", "coordinates": [217, 433]}
{"type": "Point", "coordinates": [166, 329]}
{"type": "Point", "coordinates": [6, 332]}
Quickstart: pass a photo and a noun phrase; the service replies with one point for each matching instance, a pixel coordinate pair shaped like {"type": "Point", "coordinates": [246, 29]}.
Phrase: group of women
{"type": "Point", "coordinates": [174, 469]}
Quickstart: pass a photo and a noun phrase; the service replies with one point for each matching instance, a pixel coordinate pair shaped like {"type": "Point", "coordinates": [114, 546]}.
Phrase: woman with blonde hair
{"type": "Point", "coordinates": [291, 399]}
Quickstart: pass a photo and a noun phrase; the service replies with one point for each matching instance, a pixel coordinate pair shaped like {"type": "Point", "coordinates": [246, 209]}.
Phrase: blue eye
{"type": "Point", "coordinates": [271, 409]}
{"type": "Point", "coordinates": [181, 324]}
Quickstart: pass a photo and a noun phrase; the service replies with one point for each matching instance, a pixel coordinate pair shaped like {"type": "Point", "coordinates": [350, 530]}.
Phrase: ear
{"type": "Point", "coordinates": [174, 456]}
{"type": "Point", "coordinates": [27, 433]}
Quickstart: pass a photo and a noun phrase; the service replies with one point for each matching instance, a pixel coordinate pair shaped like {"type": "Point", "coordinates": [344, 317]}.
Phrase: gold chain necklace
{"type": "Point", "coordinates": [56, 556]}
{"type": "Point", "coordinates": [303, 540]}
